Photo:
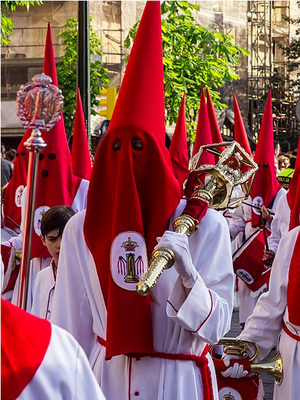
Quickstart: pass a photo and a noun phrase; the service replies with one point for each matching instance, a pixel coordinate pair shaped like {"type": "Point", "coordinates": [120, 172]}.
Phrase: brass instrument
{"type": "Point", "coordinates": [211, 184]}
{"type": "Point", "coordinates": [237, 346]}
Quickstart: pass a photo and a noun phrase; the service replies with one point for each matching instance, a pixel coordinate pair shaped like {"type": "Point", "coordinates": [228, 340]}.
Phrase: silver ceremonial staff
{"type": "Point", "coordinates": [210, 184]}
{"type": "Point", "coordinates": [39, 107]}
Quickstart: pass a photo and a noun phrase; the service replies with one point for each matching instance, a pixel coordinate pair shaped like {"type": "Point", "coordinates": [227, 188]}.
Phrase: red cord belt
{"type": "Point", "coordinates": [291, 334]}
{"type": "Point", "coordinates": [201, 362]}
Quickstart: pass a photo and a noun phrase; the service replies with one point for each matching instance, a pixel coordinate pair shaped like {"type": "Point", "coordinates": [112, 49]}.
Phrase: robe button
{"type": "Point", "coordinates": [136, 393]}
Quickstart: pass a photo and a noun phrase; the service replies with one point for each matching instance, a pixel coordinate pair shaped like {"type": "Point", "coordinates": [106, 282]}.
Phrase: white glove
{"type": "Point", "coordinates": [183, 263]}
{"type": "Point", "coordinates": [236, 371]}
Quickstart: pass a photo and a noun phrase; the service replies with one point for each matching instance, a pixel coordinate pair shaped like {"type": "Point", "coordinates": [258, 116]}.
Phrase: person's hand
{"type": "Point", "coordinates": [265, 213]}
{"type": "Point", "coordinates": [183, 261]}
{"type": "Point", "coordinates": [234, 369]}
{"type": "Point", "coordinates": [268, 257]}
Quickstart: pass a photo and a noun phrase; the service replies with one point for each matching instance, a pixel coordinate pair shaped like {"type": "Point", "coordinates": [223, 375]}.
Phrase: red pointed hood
{"type": "Point", "coordinates": [214, 126]}
{"type": "Point", "coordinates": [24, 342]}
{"type": "Point", "coordinates": [203, 133]}
{"type": "Point", "coordinates": [178, 148]}
{"type": "Point", "coordinates": [265, 186]}
{"type": "Point", "coordinates": [293, 194]}
{"type": "Point", "coordinates": [240, 134]}
{"type": "Point", "coordinates": [140, 190]}
{"type": "Point", "coordinates": [55, 168]}
{"type": "Point", "coordinates": [81, 159]}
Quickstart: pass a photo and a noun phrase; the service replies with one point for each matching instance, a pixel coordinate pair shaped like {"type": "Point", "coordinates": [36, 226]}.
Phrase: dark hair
{"type": "Point", "coordinates": [293, 159]}
{"type": "Point", "coordinates": [10, 155]}
{"type": "Point", "coordinates": [285, 146]}
{"type": "Point", "coordinates": [56, 218]}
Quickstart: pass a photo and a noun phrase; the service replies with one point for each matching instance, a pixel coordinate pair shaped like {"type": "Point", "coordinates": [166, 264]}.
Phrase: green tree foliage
{"type": "Point", "coordinates": [292, 52]}
{"type": "Point", "coordinates": [192, 56]}
{"type": "Point", "coordinates": [7, 25]}
{"type": "Point", "coordinates": [67, 71]}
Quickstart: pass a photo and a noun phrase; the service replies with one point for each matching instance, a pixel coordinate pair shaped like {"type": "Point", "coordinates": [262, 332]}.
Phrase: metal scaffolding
{"type": "Point", "coordinates": [268, 68]}
{"type": "Point", "coordinates": [260, 46]}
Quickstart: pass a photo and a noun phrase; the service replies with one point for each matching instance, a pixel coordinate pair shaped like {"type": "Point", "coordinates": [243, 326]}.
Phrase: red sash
{"type": "Point", "coordinates": [294, 285]}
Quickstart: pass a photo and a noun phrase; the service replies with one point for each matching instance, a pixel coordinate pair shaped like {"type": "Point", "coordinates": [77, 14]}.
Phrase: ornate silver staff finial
{"type": "Point", "coordinates": [39, 107]}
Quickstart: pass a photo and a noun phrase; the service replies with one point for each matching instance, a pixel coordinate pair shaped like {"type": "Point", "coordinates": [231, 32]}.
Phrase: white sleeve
{"type": "Point", "coordinates": [64, 374]}
{"type": "Point", "coordinates": [207, 309]}
{"type": "Point", "coordinates": [238, 222]}
{"type": "Point", "coordinates": [265, 324]}
{"type": "Point", "coordinates": [71, 308]}
{"type": "Point", "coordinates": [80, 199]}
{"type": "Point", "coordinates": [86, 386]}
{"type": "Point", "coordinates": [280, 223]}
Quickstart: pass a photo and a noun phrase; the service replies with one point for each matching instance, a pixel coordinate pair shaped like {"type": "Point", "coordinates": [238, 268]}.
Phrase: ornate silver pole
{"type": "Point", "coordinates": [39, 106]}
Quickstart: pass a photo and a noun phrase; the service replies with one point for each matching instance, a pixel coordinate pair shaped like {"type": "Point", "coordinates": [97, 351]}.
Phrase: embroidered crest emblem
{"type": "Point", "coordinates": [245, 275]}
{"type": "Point", "coordinates": [258, 201]}
{"type": "Point", "coordinates": [18, 195]}
{"type": "Point", "coordinates": [228, 393]}
{"type": "Point", "coordinates": [38, 215]}
{"type": "Point", "coordinates": [128, 259]}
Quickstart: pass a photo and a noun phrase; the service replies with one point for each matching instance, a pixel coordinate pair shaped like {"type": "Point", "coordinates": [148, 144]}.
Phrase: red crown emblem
{"type": "Point", "coordinates": [129, 245]}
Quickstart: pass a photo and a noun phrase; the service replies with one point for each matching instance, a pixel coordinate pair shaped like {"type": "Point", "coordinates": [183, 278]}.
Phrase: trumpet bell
{"type": "Point", "coordinates": [272, 367]}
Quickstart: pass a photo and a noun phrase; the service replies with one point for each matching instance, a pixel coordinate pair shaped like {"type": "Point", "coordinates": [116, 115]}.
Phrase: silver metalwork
{"type": "Point", "coordinates": [39, 106]}
{"type": "Point", "coordinates": [212, 184]}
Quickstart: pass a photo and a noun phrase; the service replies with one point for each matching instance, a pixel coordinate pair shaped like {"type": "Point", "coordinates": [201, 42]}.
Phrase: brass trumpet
{"type": "Point", "coordinates": [236, 346]}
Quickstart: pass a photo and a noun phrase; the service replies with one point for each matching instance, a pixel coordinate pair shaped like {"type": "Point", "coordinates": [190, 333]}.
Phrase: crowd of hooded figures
{"type": "Point", "coordinates": [86, 333]}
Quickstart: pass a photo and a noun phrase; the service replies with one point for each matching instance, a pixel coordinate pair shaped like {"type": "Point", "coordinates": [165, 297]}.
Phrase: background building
{"type": "Point", "coordinates": [258, 26]}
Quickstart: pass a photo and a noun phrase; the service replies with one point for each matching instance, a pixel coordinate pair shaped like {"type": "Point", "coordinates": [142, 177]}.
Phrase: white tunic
{"type": "Point", "coordinates": [37, 264]}
{"type": "Point", "coordinates": [264, 326]}
{"type": "Point", "coordinates": [241, 222]}
{"type": "Point", "coordinates": [64, 373]}
{"type": "Point", "coordinates": [280, 223]}
{"type": "Point", "coordinates": [180, 325]}
{"type": "Point", "coordinates": [43, 292]}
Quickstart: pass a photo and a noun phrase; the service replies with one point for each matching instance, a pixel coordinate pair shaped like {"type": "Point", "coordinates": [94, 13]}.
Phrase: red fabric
{"type": "Point", "coordinates": [178, 148]}
{"type": "Point", "coordinates": [81, 159]}
{"type": "Point", "coordinates": [291, 334]}
{"type": "Point", "coordinates": [294, 285]}
{"type": "Point", "coordinates": [214, 126]}
{"type": "Point", "coordinates": [246, 388]}
{"type": "Point", "coordinates": [248, 264]}
{"type": "Point", "coordinates": [293, 194]}
{"type": "Point", "coordinates": [13, 191]}
{"type": "Point", "coordinates": [195, 208]}
{"type": "Point", "coordinates": [240, 134]}
{"type": "Point", "coordinates": [141, 191]}
{"type": "Point", "coordinates": [5, 255]}
{"type": "Point", "coordinates": [7, 259]}
{"type": "Point", "coordinates": [265, 186]}
{"type": "Point", "coordinates": [56, 184]}
{"type": "Point", "coordinates": [203, 133]}
{"type": "Point", "coordinates": [24, 342]}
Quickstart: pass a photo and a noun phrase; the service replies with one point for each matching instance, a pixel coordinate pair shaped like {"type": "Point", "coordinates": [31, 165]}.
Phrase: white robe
{"type": "Point", "coordinates": [64, 373]}
{"type": "Point", "coordinates": [280, 223]}
{"type": "Point", "coordinates": [264, 326]}
{"type": "Point", "coordinates": [241, 222]}
{"type": "Point", "coordinates": [43, 292]}
{"type": "Point", "coordinates": [37, 264]}
{"type": "Point", "coordinates": [180, 325]}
